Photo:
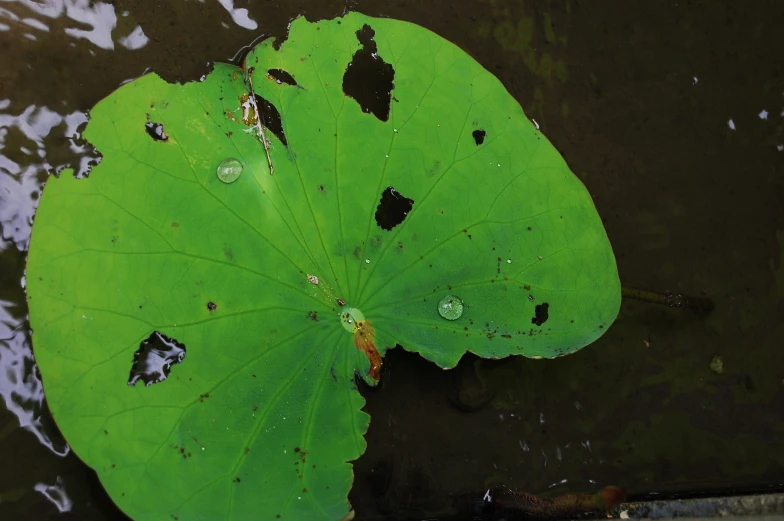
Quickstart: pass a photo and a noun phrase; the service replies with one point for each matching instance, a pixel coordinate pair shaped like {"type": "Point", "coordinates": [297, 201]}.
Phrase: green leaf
{"type": "Point", "coordinates": [446, 225]}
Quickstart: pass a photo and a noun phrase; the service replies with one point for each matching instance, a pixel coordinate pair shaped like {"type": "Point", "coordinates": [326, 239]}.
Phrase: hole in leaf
{"type": "Point", "coordinates": [153, 360]}
{"type": "Point", "coordinates": [392, 209]}
{"type": "Point", "coordinates": [369, 79]}
{"type": "Point", "coordinates": [270, 118]}
{"type": "Point", "coordinates": [155, 131]}
{"type": "Point", "coordinates": [541, 314]}
{"type": "Point", "coordinates": [479, 136]}
{"type": "Point", "coordinates": [281, 76]}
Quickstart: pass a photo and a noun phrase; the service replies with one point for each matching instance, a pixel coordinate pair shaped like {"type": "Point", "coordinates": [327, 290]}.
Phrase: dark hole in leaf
{"type": "Point", "coordinates": [281, 76]}
{"type": "Point", "coordinates": [153, 360]}
{"type": "Point", "coordinates": [541, 314]}
{"type": "Point", "coordinates": [392, 209]}
{"type": "Point", "coordinates": [270, 118]}
{"type": "Point", "coordinates": [155, 131]}
{"type": "Point", "coordinates": [369, 79]}
{"type": "Point", "coordinates": [479, 136]}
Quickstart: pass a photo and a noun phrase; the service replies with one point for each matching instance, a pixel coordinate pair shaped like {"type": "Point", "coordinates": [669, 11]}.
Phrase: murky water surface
{"type": "Point", "coordinates": [671, 113]}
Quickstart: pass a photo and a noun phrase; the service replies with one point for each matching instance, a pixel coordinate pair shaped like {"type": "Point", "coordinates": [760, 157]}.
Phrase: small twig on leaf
{"type": "Point", "coordinates": [252, 99]}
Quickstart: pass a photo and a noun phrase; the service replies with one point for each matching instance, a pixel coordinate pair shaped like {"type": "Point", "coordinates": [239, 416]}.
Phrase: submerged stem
{"type": "Point", "coordinates": [669, 298]}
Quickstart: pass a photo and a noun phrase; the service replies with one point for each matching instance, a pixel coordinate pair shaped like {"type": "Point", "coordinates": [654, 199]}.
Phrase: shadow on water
{"type": "Point", "coordinates": [672, 117]}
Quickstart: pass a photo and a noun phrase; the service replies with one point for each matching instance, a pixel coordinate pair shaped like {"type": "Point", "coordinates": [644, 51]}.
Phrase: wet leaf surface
{"type": "Point", "coordinates": [285, 286]}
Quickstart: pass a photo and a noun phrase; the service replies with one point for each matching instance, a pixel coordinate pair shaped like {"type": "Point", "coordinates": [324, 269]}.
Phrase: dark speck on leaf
{"type": "Point", "coordinates": [479, 136]}
{"type": "Point", "coordinates": [212, 306]}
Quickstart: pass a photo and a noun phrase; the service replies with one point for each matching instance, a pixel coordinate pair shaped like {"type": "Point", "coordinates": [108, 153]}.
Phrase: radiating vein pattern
{"type": "Point", "coordinates": [280, 286]}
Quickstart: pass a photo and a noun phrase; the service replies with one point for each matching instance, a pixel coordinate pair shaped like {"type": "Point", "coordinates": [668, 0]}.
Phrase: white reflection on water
{"type": "Point", "coordinates": [22, 137]}
{"type": "Point", "coordinates": [20, 385]}
{"type": "Point", "coordinates": [94, 21]}
{"type": "Point", "coordinates": [34, 141]}
{"type": "Point", "coordinates": [56, 494]}
{"type": "Point", "coordinates": [136, 40]}
{"type": "Point", "coordinates": [239, 16]}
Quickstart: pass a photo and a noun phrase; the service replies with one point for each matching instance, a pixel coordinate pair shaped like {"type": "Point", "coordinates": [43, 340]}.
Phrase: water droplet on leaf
{"type": "Point", "coordinates": [350, 317]}
{"type": "Point", "coordinates": [229, 170]}
{"type": "Point", "coordinates": [450, 307]}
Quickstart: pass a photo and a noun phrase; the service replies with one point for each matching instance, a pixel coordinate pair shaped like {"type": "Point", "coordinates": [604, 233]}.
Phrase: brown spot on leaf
{"type": "Point", "coordinates": [364, 340]}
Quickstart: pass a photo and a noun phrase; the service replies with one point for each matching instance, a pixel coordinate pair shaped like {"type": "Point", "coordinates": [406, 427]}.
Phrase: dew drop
{"type": "Point", "coordinates": [229, 170]}
{"type": "Point", "coordinates": [350, 318]}
{"type": "Point", "coordinates": [451, 307]}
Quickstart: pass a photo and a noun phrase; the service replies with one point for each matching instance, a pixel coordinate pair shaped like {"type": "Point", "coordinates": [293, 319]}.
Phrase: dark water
{"type": "Point", "coordinates": [672, 114]}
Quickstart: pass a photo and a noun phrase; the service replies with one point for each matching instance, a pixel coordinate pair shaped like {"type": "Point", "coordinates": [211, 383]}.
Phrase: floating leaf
{"type": "Point", "coordinates": [403, 174]}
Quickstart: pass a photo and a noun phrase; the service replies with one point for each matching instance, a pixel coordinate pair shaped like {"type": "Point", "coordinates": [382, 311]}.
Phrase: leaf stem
{"type": "Point", "coordinates": [669, 298]}
{"type": "Point", "coordinates": [252, 99]}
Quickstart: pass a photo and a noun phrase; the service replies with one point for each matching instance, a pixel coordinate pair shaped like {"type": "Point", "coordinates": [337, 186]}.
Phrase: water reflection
{"type": "Point", "coordinates": [34, 142]}
{"type": "Point", "coordinates": [56, 495]}
{"type": "Point", "coordinates": [94, 21]}
{"type": "Point", "coordinates": [20, 384]}
{"type": "Point", "coordinates": [29, 150]}
{"type": "Point", "coordinates": [239, 16]}
{"type": "Point", "coordinates": [136, 40]}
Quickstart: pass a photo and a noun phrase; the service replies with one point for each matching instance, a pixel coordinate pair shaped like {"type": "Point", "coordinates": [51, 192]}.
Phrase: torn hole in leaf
{"type": "Point", "coordinates": [155, 131]}
{"type": "Point", "coordinates": [392, 209]}
{"type": "Point", "coordinates": [479, 136]}
{"type": "Point", "coordinates": [153, 361]}
{"type": "Point", "coordinates": [270, 118]}
{"type": "Point", "coordinates": [369, 79]}
{"type": "Point", "coordinates": [541, 314]}
{"type": "Point", "coordinates": [281, 76]}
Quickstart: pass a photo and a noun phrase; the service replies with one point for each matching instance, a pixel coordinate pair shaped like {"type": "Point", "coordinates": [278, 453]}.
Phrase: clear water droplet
{"type": "Point", "coordinates": [350, 318]}
{"type": "Point", "coordinates": [451, 307]}
{"type": "Point", "coordinates": [229, 170]}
